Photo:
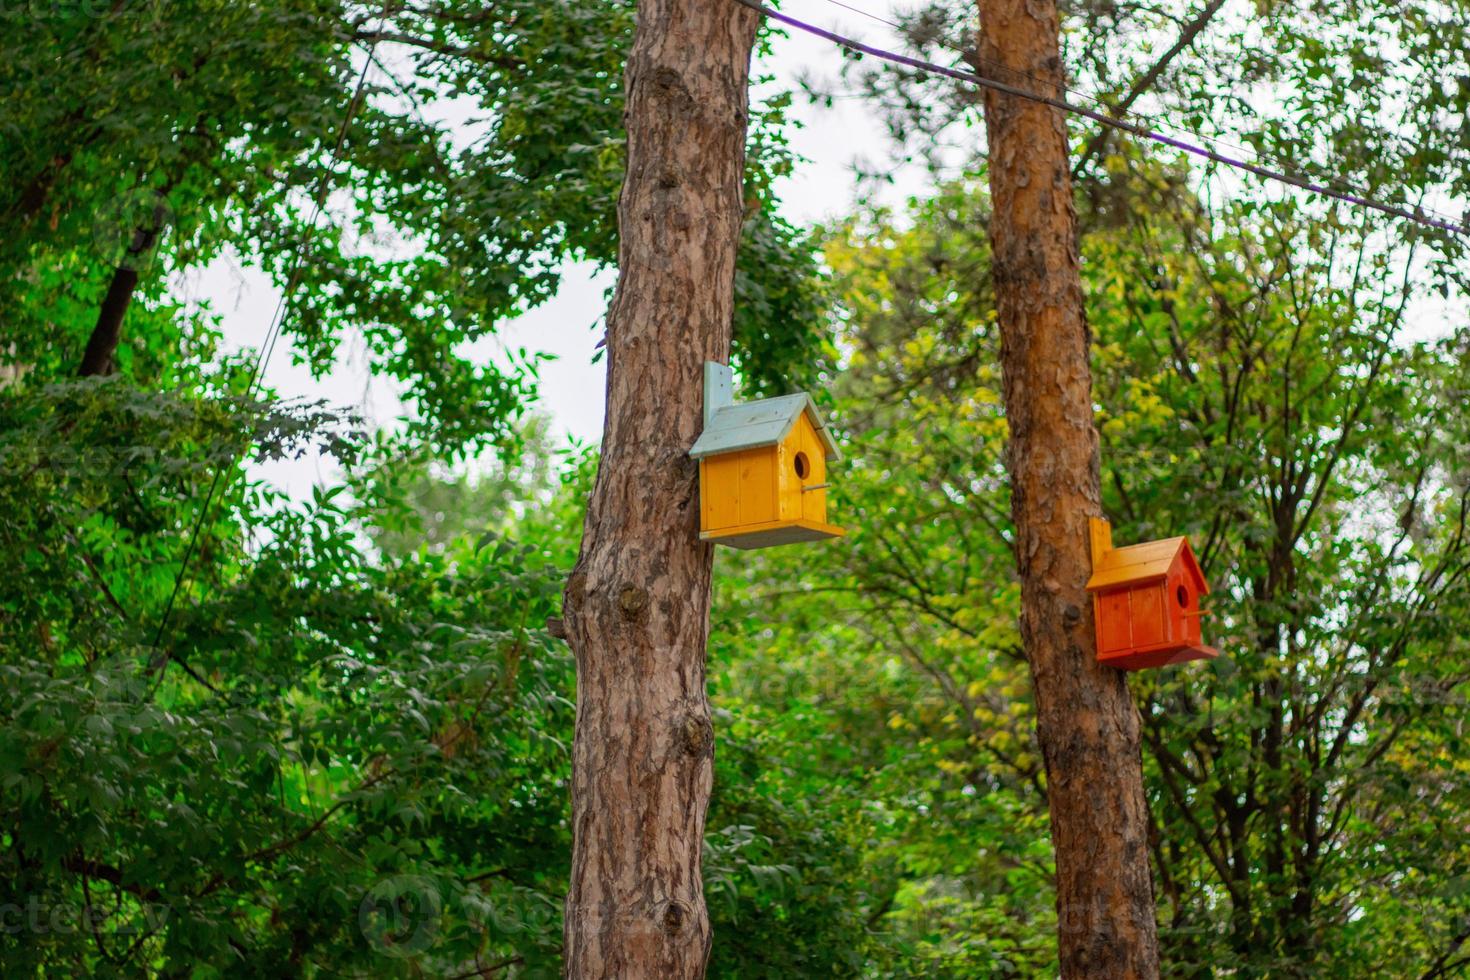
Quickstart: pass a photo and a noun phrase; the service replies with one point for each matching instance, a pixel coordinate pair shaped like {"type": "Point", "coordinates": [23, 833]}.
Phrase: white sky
{"type": "Point", "coordinates": [572, 387]}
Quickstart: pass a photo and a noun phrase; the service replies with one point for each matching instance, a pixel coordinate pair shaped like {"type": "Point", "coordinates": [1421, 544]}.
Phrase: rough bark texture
{"type": "Point", "coordinates": [1086, 721]}
{"type": "Point", "coordinates": [637, 603]}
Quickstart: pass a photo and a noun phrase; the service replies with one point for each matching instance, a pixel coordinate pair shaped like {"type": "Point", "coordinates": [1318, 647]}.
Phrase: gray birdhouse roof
{"type": "Point", "coordinates": [751, 425]}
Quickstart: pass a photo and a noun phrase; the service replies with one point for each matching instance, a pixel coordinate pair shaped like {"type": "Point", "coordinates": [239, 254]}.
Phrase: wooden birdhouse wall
{"type": "Point", "coordinates": [1149, 615]}
{"type": "Point", "coordinates": [802, 462]}
{"type": "Point", "coordinates": [738, 488]}
{"type": "Point", "coordinates": [1130, 618]}
{"type": "Point", "coordinates": [1181, 598]}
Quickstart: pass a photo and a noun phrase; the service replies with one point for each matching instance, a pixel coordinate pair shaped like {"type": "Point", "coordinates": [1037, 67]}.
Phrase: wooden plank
{"type": "Point", "coordinates": [1147, 615]}
{"type": "Point", "coordinates": [1112, 622]}
{"type": "Point", "coordinates": [757, 485]}
{"type": "Point", "coordinates": [720, 492]}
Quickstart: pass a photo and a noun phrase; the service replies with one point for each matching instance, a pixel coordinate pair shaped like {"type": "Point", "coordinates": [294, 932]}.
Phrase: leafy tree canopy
{"type": "Point", "coordinates": [487, 151]}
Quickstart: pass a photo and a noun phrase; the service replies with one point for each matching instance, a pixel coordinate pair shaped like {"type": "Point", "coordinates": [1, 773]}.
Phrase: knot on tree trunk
{"type": "Point", "coordinates": [672, 92]}
{"type": "Point", "coordinates": [696, 735]}
{"type": "Point", "coordinates": [632, 602]}
{"type": "Point", "coordinates": [674, 917]}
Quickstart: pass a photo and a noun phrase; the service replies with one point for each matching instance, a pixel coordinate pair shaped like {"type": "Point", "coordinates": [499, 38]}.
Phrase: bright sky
{"type": "Point", "coordinates": [572, 387]}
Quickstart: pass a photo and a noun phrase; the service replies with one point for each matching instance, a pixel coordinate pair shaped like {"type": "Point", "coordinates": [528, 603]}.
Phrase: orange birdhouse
{"type": "Point", "coordinates": [1146, 601]}
{"type": "Point", "coordinates": [762, 468]}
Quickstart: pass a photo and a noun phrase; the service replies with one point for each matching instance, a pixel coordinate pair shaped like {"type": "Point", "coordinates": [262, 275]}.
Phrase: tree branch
{"type": "Point", "coordinates": [1147, 79]}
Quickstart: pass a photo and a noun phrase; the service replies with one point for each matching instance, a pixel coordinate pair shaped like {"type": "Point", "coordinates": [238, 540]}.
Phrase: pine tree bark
{"type": "Point", "coordinates": [1087, 724]}
{"type": "Point", "coordinates": [636, 607]}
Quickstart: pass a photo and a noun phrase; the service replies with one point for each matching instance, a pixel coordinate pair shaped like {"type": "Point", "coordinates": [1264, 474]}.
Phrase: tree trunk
{"type": "Point", "coordinates": [1086, 722]}
{"type": "Point", "coordinates": [636, 606]}
{"type": "Point", "coordinates": [97, 358]}
{"type": "Point", "coordinates": [107, 332]}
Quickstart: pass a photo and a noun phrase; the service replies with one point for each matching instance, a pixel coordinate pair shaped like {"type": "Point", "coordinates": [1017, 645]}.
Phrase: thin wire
{"type": "Point", "coordinates": [969, 53]}
{"type": "Point", "coordinates": [278, 319]}
{"type": "Point", "coordinates": [1417, 216]}
{"type": "Point", "coordinates": [1154, 119]}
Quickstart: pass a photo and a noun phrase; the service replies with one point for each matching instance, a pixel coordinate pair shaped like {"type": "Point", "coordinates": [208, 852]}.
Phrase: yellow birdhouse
{"type": "Point", "coordinates": [762, 467]}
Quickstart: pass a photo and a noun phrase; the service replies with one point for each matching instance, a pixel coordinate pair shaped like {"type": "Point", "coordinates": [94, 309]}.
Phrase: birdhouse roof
{"type": "Point", "coordinates": [751, 425]}
{"type": "Point", "coordinates": [1140, 564]}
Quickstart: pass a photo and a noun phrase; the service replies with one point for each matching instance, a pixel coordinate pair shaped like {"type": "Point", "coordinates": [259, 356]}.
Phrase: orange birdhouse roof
{"type": "Point", "coordinates": [1140, 564]}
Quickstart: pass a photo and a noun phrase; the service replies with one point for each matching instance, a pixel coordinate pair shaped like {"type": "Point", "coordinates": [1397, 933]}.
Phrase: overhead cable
{"type": "Point", "coordinates": [1417, 215]}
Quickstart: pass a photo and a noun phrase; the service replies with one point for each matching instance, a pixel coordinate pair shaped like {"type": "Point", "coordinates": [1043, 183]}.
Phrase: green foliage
{"type": "Point", "coordinates": [347, 750]}
{"type": "Point", "coordinates": [1367, 97]}
{"type": "Point", "coordinates": [339, 759]}
{"type": "Point", "coordinates": [420, 502]}
{"type": "Point", "coordinates": [314, 725]}
{"type": "Point", "coordinates": [1255, 382]}
{"type": "Point", "coordinates": [487, 151]}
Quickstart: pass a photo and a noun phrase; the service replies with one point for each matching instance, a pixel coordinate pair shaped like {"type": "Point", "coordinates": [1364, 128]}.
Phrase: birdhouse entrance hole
{"type": "Point", "coordinates": [1182, 595]}
{"type": "Point", "coordinates": [803, 468]}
